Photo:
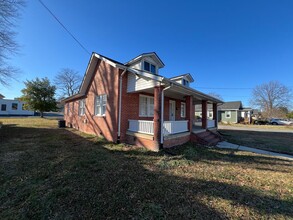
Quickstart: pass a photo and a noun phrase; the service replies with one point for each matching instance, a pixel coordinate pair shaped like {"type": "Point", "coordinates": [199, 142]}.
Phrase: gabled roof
{"type": "Point", "coordinates": [186, 75]}
{"type": "Point", "coordinates": [2, 96]}
{"type": "Point", "coordinates": [235, 105]}
{"type": "Point", "coordinates": [90, 71]}
{"type": "Point", "coordinates": [153, 55]}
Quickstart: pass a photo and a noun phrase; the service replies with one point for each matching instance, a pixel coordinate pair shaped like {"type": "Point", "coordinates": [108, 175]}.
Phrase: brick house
{"type": "Point", "coordinates": [132, 103]}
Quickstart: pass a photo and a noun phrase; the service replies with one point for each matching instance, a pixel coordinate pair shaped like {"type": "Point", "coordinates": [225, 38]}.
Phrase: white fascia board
{"type": "Point", "coordinates": [192, 91]}
{"type": "Point", "coordinates": [146, 75]}
{"type": "Point", "coordinates": [88, 74]}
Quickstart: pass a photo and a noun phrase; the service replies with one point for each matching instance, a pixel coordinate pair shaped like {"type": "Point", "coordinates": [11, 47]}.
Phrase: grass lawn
{"type": "Point", "coordinates": [281, 142]}
{"type": "Point", "coordinates": [51, 173]}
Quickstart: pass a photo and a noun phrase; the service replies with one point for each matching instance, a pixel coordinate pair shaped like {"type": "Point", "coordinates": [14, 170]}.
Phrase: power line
{"type": "Point", "coordinates": [230, 88]}
{"type": "Point", "coordinates": [77, 41]}
{"type": "Point", "coordinates": [222, 88]}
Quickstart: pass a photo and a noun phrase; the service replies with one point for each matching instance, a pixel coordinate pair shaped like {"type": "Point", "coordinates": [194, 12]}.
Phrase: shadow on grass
{"type": "Point", "coordinates": [57, 173]}
{"type": "Point", "coordinates": [280, 142]}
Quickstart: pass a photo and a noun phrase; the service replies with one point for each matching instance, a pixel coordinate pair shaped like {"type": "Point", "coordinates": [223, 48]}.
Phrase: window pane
{"type": "Point", "coordinates": [98, 110]}
{"type": "Point", "coordinates": [143, 105]}
{"type": "Point", "coordinates": [104, 104]}
{"type": "Point", "coordinates": [3, 107]}
{"type": "Point", "coordinates": [104, 110]}
{"type": "Point", "coordinates": [153, 68]}
{"type": "Point", "coordinates": [97, 105]}
{"type": "Point", "coordinates": [146, 66]}
{"type": "Point", "coordinates": [183, 109]}
{"type": "Point", "coordinates": [14, 106]}
{"type": "Point", "coordinates": [151, 106]}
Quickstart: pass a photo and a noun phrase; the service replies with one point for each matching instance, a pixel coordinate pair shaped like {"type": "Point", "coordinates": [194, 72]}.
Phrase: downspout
{"type": "Point", "coordinates": [120, 104]}
{"type": "Point", "coordinates": [162, 115]}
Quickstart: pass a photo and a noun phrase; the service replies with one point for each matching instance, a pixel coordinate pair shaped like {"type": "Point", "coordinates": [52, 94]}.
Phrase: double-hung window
{"type": "Point", "coordinates": [146, 106]}
{"type": "Point", "coordinates": [14, 106]}
{"type": "Point", "coordinates": [3, 107]}
{"type": "Point", "coordinates": [183, 110]}
{"type": "Point", "coordinates": [81, 107]}
{"type": "Point", "coordinates": [100, 105]}
{"type": "Point", "coordinates": [149, 67]}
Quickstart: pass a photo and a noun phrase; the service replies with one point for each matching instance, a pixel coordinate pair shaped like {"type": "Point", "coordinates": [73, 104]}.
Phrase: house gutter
{"type": "Point", "coordinates": [120, 104]}
{"type": "Point", "coordinates": [162, 115]}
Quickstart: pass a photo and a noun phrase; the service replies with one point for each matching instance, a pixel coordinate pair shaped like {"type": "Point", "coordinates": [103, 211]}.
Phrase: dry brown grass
{"type": "Point", "coordinates": [48, 172]}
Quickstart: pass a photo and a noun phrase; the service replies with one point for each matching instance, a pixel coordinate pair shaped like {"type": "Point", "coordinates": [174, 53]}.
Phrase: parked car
{"type": "Point", "coordinates": [278, 121]}
{"type": "Point", "coordinates": [261, 122]}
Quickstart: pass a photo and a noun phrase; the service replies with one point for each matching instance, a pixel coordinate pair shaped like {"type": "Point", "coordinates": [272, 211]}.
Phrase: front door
{"type": "Point", "coordinates": [172, 110]}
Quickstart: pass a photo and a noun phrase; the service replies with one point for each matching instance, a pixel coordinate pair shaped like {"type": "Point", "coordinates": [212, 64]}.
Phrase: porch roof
{"type": "Point", "coordinates": [176, 90]}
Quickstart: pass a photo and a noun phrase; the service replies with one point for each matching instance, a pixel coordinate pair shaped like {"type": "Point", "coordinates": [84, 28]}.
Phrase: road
{"type": "Point", "coordinates": [255, 128]}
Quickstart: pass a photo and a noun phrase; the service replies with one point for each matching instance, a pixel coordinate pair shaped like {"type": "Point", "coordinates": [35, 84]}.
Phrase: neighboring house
{"type": "Point", "coordinates": [10, 107]}
{"type": "Point", "coordinates": [198, 112]}
{"type": "Point", "coordinates": [132, 103]}
{"type": "Point", "coordinates": [234, 112]}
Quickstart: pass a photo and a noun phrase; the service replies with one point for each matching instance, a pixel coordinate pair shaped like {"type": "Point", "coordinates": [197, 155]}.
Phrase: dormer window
{"type": "Point", "coordinates": [149, 67]}
{"type": "Point", "coordinates": [185, 82]}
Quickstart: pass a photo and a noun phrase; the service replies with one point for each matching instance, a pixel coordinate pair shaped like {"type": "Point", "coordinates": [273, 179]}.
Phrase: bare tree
{"type": "Point", "coordinates": [271, 98]}
{"type": "Point", "coordinates": [9, 13]}
{"type": "Point", "coordinates": [216, 95]}
{"type": "Point", "coordinates": [67, 82]}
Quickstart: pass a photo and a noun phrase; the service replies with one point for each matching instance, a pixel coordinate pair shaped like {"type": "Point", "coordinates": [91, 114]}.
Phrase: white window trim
{"type": "Point", "coordinates": [229, 112]}
{"type": "Point", "coordinates": [80, 113]}
{"type": "Point", "coordinates": [148, 114]}
{"type": "Point", "coordinates": [156, 68]}
{"type": "Point", "coordinates": [184, 110]}
{"type": "Point", "coordinates": [101, 104]}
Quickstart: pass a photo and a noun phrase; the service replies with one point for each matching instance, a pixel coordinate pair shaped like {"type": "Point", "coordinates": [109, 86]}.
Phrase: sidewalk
{"type": "Point", "coordinates": [227, 145]}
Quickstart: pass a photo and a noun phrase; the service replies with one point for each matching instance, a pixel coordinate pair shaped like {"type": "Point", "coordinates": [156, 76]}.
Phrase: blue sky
{"type": "Point", "coordinates": [229, 47]}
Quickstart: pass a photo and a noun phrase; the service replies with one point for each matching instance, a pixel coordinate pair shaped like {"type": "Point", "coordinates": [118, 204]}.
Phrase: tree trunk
{"type": "Point", "coordinates": [42, 114]}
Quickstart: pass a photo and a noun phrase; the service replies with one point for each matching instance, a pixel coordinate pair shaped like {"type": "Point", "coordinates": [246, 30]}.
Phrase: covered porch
{"type": "Point", "coordinates": [168, 111]}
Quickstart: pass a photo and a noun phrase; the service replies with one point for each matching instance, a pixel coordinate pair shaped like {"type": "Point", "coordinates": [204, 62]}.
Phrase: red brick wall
{"type": "Point", "coordinates": [176, 141]}
{"type": "Point", "coordinates": [105, 81]}
{"type": "Point", "coordinates": [142, 142]}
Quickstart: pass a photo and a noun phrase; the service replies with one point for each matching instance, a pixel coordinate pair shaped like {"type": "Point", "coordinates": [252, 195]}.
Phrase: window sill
{"type": "Point", "coordinates": [100, 116]}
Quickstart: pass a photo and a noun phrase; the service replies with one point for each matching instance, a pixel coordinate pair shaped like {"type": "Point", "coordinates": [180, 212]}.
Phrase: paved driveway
{"type": "Point", "coordinates": [255, 128]}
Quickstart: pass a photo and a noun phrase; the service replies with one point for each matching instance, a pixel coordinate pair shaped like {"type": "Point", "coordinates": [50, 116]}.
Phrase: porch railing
{"type": "Point", "coordinates": [142, 126]}
{"type": "Point", "coordinates": [210, 123]}
{"type": "Point", "coordinates": [147, 127]}
{"type": "Point", "coordinates": [174, 127]}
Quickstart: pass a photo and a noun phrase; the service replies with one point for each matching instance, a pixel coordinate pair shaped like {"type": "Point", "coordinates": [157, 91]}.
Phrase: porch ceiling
{"type": "Point", "coordinates": [177, 92]}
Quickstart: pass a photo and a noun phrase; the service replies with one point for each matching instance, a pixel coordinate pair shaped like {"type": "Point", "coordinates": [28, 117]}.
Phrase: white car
{"type": "Point", "coordinates": [278, 121]}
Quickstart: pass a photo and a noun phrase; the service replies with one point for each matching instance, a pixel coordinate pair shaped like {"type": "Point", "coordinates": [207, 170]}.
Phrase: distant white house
{"type": "Point", "coordinates": [13, 107]}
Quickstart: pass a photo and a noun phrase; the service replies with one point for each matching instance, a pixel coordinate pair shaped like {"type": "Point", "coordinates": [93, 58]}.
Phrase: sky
{"type": "Point", "coordinates": [228, 46]}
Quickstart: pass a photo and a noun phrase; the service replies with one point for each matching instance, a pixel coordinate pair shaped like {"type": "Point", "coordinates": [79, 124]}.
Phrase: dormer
{"type": "Point", "coordinates": [184, 79]}
{"type": "Point", "coordinates": [148, 62]}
